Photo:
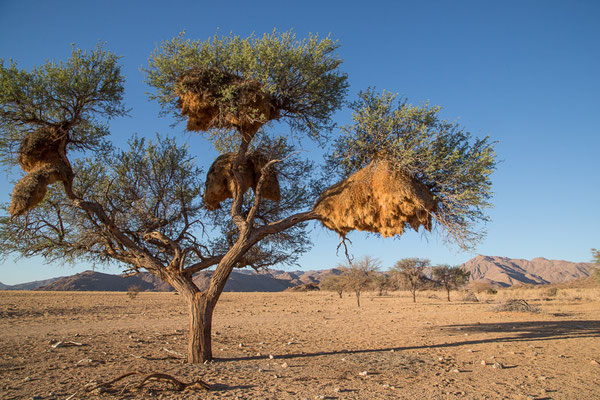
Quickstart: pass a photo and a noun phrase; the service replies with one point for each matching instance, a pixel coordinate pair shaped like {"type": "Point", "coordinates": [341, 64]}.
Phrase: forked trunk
{"type": "Point", "coordinates": [199, 340]}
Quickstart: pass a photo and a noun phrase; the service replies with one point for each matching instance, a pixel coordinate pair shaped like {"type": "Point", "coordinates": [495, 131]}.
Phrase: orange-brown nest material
{"type": "Point", "coordinates": [42, 155]}
{"type": "Point", "coordinates": [217, 99]}
{"type": "Point", "coordinates": [376, 199]}
{"type": "Point", "coordinates": [220, 183]}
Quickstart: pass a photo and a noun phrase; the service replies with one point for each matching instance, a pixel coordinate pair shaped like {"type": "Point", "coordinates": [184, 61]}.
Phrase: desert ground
{"type": "Point", "coordinates": [304, 346]}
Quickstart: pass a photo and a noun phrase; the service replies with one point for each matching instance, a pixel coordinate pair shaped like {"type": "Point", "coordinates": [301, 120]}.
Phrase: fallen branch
{"type": "Point", "coordinates": [178, 385]}
{"type": "Point", "coordinates": [154, 377]}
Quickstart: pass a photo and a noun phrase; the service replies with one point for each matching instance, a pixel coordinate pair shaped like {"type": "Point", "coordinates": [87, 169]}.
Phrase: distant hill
{"type": "Point", "coordinates": [245, 282]}
{"type": "Point", "coordinates": [98, 281]}
{"type": "Point", "coordinates": [28, 285]}
{"type": "Point", "coordinates": [503, 271]}
{"type": "Point", "coordinates": [500, 271]}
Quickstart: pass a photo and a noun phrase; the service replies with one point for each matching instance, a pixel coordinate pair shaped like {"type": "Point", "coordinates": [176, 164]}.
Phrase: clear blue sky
{"type": "Point", "coordinates": [525, 73]}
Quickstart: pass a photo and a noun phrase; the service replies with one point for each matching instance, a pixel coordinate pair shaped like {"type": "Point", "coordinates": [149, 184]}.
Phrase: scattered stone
{"type": "Point", "coordinates": [284, 365]}
{"type": "Point", "coordinates": [27, 379]}
{"type": "Point", "coordinates": [594, 362]}
{"type": "Point", "coordinates": [337, 390]}
{"type": "Point", "coordinates": [456, 370]}
{"type": "Point", "coordinates": [483, 362]}
{"type": "Point", "coordinates": [498, 366]}
{"type": "Point", "coordinates": [258, 354]}
{"type": "Point", "coordinates": [276, 376]}
{"type": "Point", "coordinates": [318, 397]}
{"type": "Point", "coordinates": [66, 344]}
{"type": "Point", "coordinates": [364, 373]}
{"type": "Point", "coordinates": [173, 353]}
{"type": "Point", "coordinates": [85, 361]}
{"type": "Point", "coordinates": [240, 345]}
{"type": "Point", "coordinates": [271, 356]}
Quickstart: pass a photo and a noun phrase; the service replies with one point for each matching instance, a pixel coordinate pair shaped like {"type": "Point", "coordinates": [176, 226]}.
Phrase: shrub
{"type": "Point", "coordinates": [133, 291]}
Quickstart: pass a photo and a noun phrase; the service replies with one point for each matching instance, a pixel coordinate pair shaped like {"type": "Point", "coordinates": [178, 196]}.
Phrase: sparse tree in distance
{"type": "Point", "coordinates": [596, 256]}
{"type": "Point", "coordinates": [333, 283]}
{"type": "Point", "coordinates": [382, 282]}
{"type": "Point", "coordinates": [148, 206]}
{"type": "Point", "coordinates": [450, 278]}
{"type": "Point", "coordinates": [410, 271]}
{"type": "Point", "coordinates": [359, 274]}
{"type": "Point", "coordinates": [596, 260]}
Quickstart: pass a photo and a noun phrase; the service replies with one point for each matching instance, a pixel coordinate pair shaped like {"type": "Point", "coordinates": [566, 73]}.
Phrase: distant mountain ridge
{"type": "Point", "coordinates": [499, 271]}
{"type": "Point", "coordinates": [504, 271]}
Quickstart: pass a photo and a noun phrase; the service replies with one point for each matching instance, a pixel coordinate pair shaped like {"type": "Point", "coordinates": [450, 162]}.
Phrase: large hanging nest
{"type": "Point", "coordinates": [376, 199]}
{"type": "Point", "coordinates": [42, 155]}
{"type": "Point", "coordinates": [220, 183]}
{"type": "Point", "coordinates": [216, 99]}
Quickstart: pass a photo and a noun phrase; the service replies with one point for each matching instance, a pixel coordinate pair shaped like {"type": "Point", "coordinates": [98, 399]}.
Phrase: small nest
{"type": "Point", "coordinates": [220, 184]}
{"type": "Point", "coordinates": [217, 99]}
{"type": "Point", "coordinates": [518, 305]}
{"type": "Point", "coordinates": [42, 155]}
{"type": "Point", "coordinates": [376, 199]}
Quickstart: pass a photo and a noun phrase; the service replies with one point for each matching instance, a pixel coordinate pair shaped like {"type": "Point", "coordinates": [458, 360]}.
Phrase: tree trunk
{"type": "Point", "coordinates": [448, 291]}
{"type": "Point", "coordinates": [414, 293]}
{"type": "Point", "coordinates": [199, 340]}
{"type": "Point", "coordinates": [358, 299]}
{"type": "Point", "coordinates": [340, 293]}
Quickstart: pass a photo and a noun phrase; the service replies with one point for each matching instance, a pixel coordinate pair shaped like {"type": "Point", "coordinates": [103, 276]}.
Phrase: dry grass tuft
{"type": "Point", "coordinates": [518, 305]}
{"type": "Point", "coordinates": [43, 155]}
{"type": "Point", "coordinates": [376, 199]}
{"type": "Point", "coordinates": [220, 184]}
{"type": "Point", "coordinates": [216, 99]}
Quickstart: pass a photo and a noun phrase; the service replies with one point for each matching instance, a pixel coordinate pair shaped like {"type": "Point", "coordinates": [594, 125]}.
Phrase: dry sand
{"type": "Point", "coordinates": [323, 347]}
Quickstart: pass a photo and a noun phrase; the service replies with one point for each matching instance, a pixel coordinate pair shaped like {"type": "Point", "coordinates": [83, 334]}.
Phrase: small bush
{"type": "Point", "coordinates": [551, 292]}
{"type": "Point", "coordinates": [518, 305]}
{"type": "Point", "coordinates": [133, 291]}
{"type": "Point", "coordinates": [470, 296]}
{"type": "Point", "coordinates": [481, 287]}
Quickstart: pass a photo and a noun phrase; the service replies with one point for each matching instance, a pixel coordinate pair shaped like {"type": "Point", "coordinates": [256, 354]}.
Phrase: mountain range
{"type": "Point", "coordinates": [499, 271]}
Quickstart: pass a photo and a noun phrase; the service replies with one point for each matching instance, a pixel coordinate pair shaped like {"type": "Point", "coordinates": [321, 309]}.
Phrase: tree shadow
{"type": "Point", "coordinates": [501, 333]}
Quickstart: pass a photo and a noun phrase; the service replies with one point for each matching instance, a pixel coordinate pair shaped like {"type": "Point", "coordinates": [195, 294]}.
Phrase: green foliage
{"type": "Point", "coordinates": [382, 282]}
{"type": "Point", "coordinates": [359, 274]}
{"type": "Point", "coordinates": [152, 186]}
{"type": "Point", "coordinates": [410, 271]}
{"type": "Point", "coordinates": [298, 191]}
{"type": "Point", "coordinates": [72, 94]}
{"type": "Point", "coordinates": [438, 153]}
{"type": "Point", "coordinates": [301, 75]}
{"type": "Point", "coordinates": [333, 283]}
{"type": "Point", "coordinates": [450, 277]}
{"type": "Point", "coordinates": [596, 256]}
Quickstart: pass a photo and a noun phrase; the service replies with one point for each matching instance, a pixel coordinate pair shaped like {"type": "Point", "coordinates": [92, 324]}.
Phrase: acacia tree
{"type": "Point", "coordinates": [410, 270]}
{"type": "Point", "coordinates": [358, 275]}
{"type": "Point", "coordinates": [144, 206]}
{"type": "Point", "coordinates": [334, 283]}
{"type": "Point", "coordinates": [450, 277]}
{"type": "Point", "coordinates": [382, 282]}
